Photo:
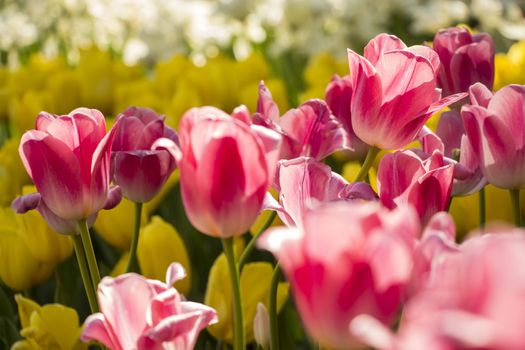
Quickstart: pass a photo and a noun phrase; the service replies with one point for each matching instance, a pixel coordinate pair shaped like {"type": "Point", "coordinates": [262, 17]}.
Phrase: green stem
{"type": "Point", "coordinates": [515, 199]}
{"type": "Point", "coordinates": [272, 308]}
{"type": "Point", "coordinates": [238, 322]}
{"type": "Point", "coordinates": [482, 210]}
{"type": "Point", "coordinates": [133, 263]}
{"type": "Point", "coordinates": [89, 253]}
{"type": "Point", "coordinates": [369, 160]}
{"type": "Point", "coordinates": [251, 245]}
{"type": "Point", "coordinates": [84, 273]}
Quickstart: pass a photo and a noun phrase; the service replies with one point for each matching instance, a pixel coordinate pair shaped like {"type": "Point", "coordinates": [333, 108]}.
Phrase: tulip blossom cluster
{"type": "Point", "coordinates": [369, 263]}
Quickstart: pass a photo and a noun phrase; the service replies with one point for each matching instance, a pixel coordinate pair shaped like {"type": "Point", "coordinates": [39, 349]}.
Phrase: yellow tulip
{"type": "Point", "coordinates": [136, 93]}
{"type": "Point", "coordinates": [116, 225]}
{"type": "Point", "coordinates": [510, 67]}
{"type": "Point", "coordinates": [52, 326]}
{"type": "Point", "coordinates": [167, 73]}
{"type": "Point", "coordinates": [255, 285]}
{"type": "Point", "coordinates": [159, 245]}
{"type": "Point", "coordinates": [19, 268]}
{"type": "Point", "coordinates": [3, 93]}
{"type": "Point", "coordinates": [12, 172]}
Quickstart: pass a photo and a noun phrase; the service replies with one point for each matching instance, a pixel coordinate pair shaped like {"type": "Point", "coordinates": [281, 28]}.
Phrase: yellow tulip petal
{"type": "Point", "coordinates": [160, 245]}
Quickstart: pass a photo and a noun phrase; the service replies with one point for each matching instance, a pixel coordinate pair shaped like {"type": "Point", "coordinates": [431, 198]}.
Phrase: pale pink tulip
{"type": "Point", "coordinates": [68, 159]}
{"type": "Point", "coordinates": [226, 167]}
{"type": "Point", "coordinates": [142, 314]}
{"type": "Point", "coordinates": [137, 169]}
{"type": "Point", "coordinates": [495, 126]}
{"type": "Point", "coordinates": [304, 183]}
{"type": "Point", "coordinates": [394, 91]}
{"type": "Point", "coordinates": [466, 59]}
{"type": "Point", "coordinates": [349, 259]}
{"type": "Point", "coordinates": [403, 178]}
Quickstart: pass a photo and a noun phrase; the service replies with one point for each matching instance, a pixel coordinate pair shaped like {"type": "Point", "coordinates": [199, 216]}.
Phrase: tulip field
{"type": "Point", "coordinates": [262, 175]}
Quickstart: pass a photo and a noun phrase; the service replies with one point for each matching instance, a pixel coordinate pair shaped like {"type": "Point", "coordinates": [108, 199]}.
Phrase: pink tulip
{"type": "Point", "coordinates": [403, 178]}
{"type": "Point", "coordinates": [474, 301]}
{"type": "Point", "coordinates": [137, 169]}
{"type": "Point", "coordinates": [32, 201]}
{"type": "Point", "coordinates": [137, 313]}
{"type": "Point", "coordinates": [68, 159]}
{"type": "Point", "coordinates": [304, 182]}
{"type": "Point", "coordinates": [226, 167]}
{"type": "Point", "coordinates": [338, 97]}
{"type": "Point", "coordinates": [394, 91]}
{"type": "Point", "coordinates": [465, 59]}
{"type": "Point", "coordinates": [348, 259]}
{"type": "Point", "coordinates": [451, 140]}
{"type": "Point", "coordinates": [437, 240]}
{"type": "Point", "coordinates": [495, 126]}
{"type": "Point", "coordinates": [311, 130]}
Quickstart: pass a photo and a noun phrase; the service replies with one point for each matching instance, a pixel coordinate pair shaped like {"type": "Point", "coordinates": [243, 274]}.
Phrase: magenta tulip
{"type": "Point", "coordinates": [226, 167]}
{"type": "Point", "coordinates": [137, 169]}
{"type": "Point", "coordinates": [68, 159]}
{"type": "Point", "coordinates": [495, 126]}
{"type": "Point", "coordinates": [465, 59]}
{"type": "Point", "coordinates": [394, 91]}
{"type": "Point", "coordinates": [137, 313]}
{"type": "Point", "coordinates": [348, 259]}
{"type": "Point", "coordinates": [338, 97]}
{"type": "Point", "coordinates": [403, 178]}
{"type": "Point", "coordinates": [304, 183]}
{"type": "Point", "coordinates": [311, 130]}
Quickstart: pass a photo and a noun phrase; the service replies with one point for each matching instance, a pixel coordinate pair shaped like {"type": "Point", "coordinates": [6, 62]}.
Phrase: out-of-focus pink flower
{"type": "Point", "coordinates": [339, 97]}
{"type": "Point", "coordinates": [403, 178]}
{"type": "Point", "coordinates": [137, 169]}
{"type": "Point", "coordinates": [68, 159]}
{"type": "Point", "coordinates": [465, 59]}
{"type": "Point", "coordinates": [348, 259]}
{"type": "Point", "coordinates": [437, 239]}
{"type": "Point", "coordinates": [451, 140]}
{"type": "Point", "coordinates": [226, 167]}
{"type": "Point", "coordinates": [311, 130]}
{"type": "Point", "coordinates": [137, 313]}
{"type": "Point", "coordinates": [304, 183]}
{"type": "Point", "coordinates": [474, 301]}
{"type": "Point", "coordinates": [394, 91]}
{"type": "Point", "coordinates": [34, 200]}
{"type": "Point", "coordinates": [495, 126]}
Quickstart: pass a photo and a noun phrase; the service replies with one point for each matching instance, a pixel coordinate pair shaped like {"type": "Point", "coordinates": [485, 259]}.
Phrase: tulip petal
{"type": "Point", "coordinates": [25, 203]}
{"type": "Point", "coordinates": [96, 328]}
{"type": "Point", "coordinates": [366, 96]}
{"type": "Point", "coordinates": [470, 64]}
{"type": "Point", "coordinates": [175, 273]}
{"type": "Point", "coordinates": [314, 130]}
{"type": "Point", "coordinates": [380, 44]}
{"type": "Point", "coordinates": [480, 95]}
{"type": "Point", "coordinates": [55, 171]}
{"type": "Point", "coordinates": [124, 301]}
{"type": "Point", "coordinates": [265, 104]}
{"type": "Point", "coordinates": [509, 105]}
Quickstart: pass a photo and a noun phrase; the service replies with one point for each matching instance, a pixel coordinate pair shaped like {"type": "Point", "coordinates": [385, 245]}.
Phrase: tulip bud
{"type": "Point", "coordinates": [261, 326]}
{"type": "Point", "coordinates": [226, 167]}
{"type": "Point", "coordinates": [466, 59]}
{"type": "Point", "coordinates": [138, 169]}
